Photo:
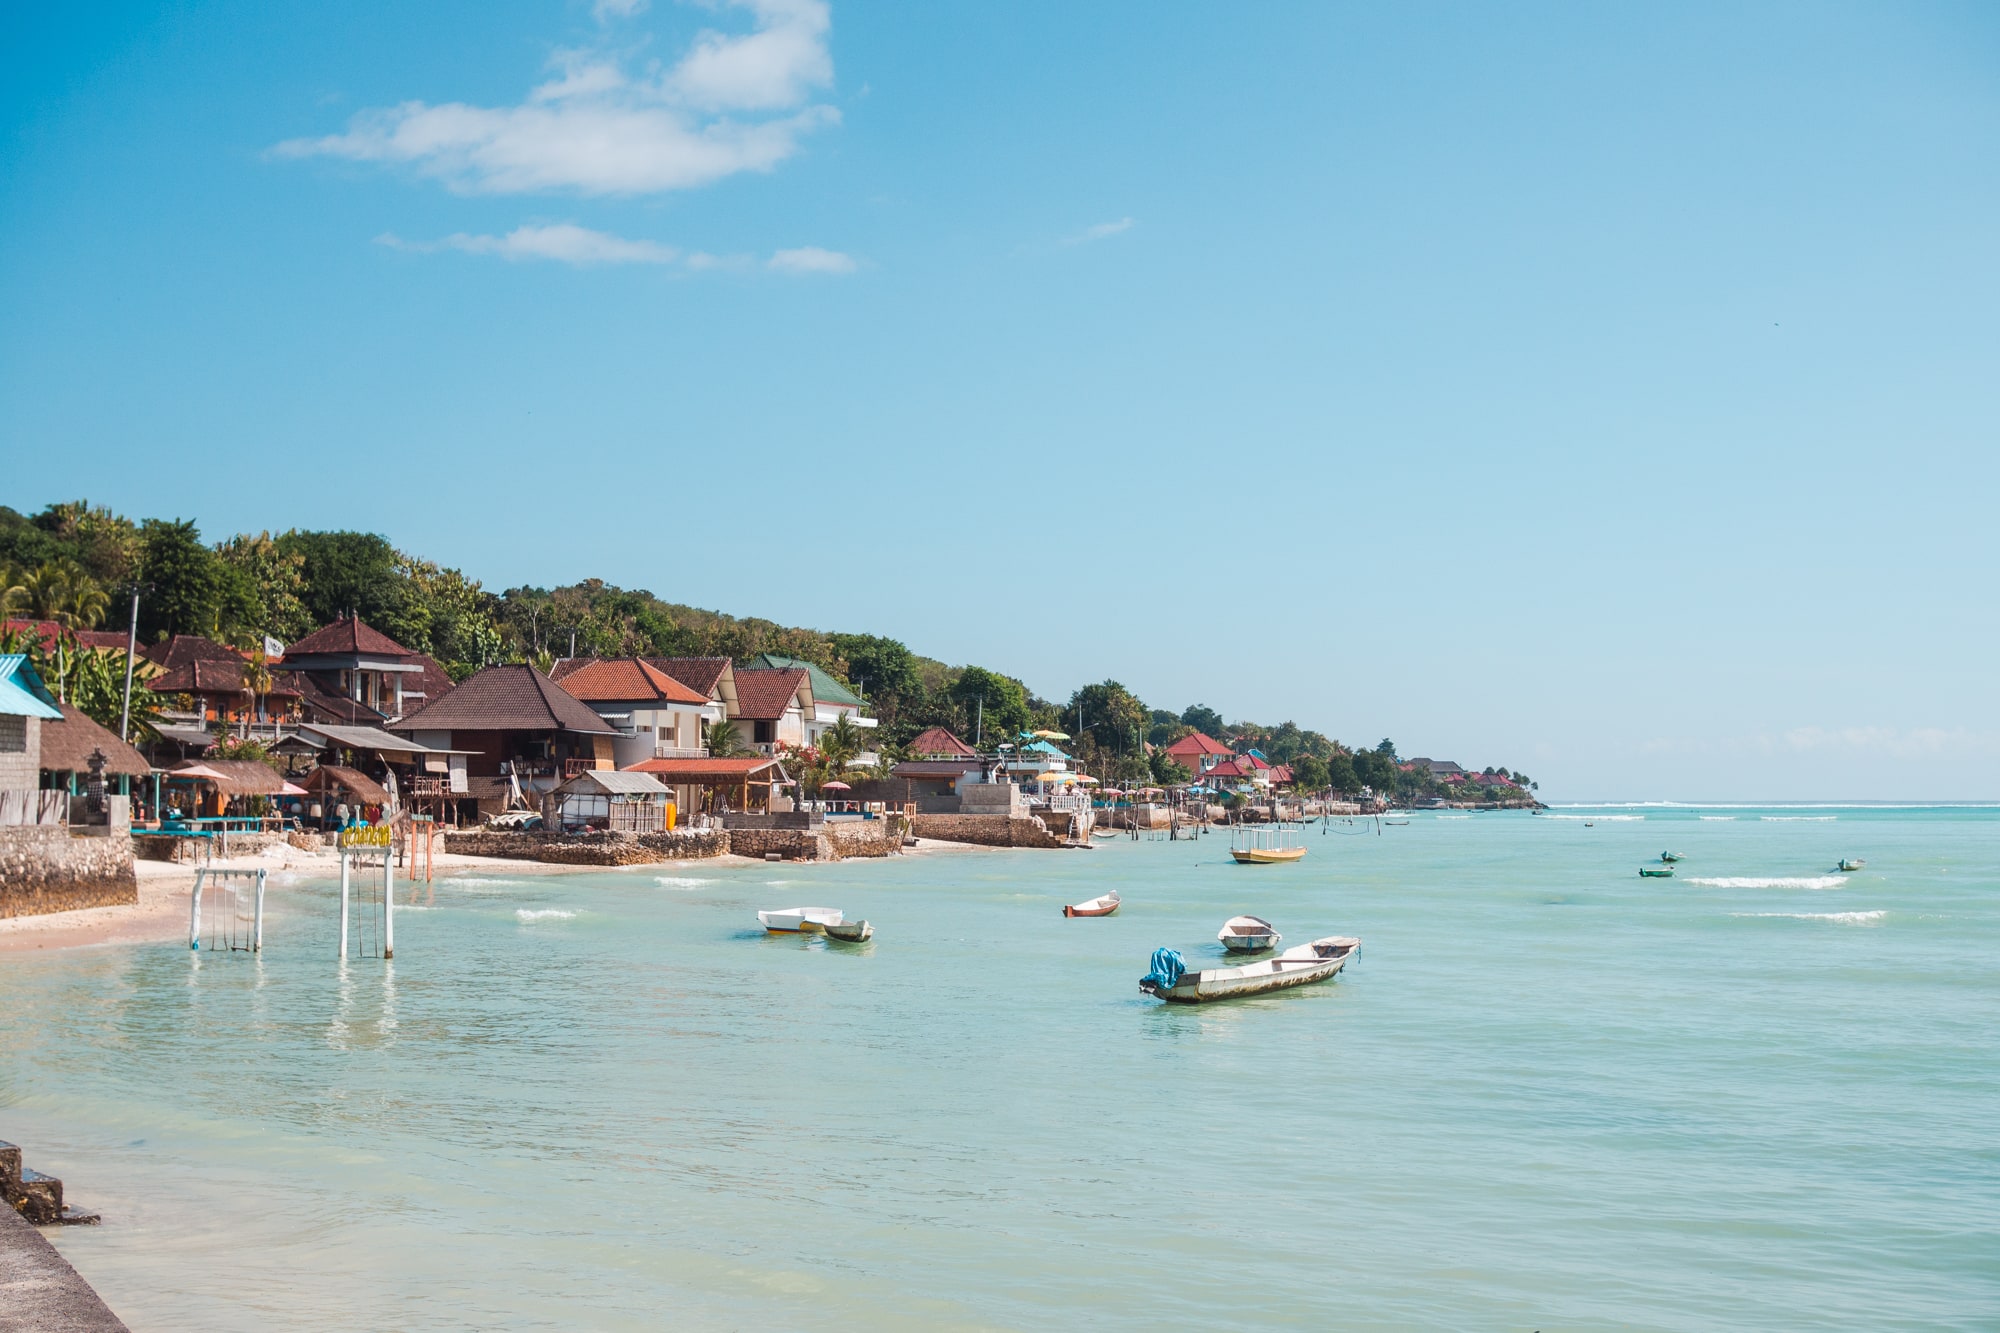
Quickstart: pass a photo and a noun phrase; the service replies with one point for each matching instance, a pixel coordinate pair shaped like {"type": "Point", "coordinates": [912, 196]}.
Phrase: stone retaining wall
{"type": "Point", "coordinates": [47, 869]}
{"type": "Point", "coordinates": [590, 849]}
{"type": "Point", "coordinates": [985, 830]}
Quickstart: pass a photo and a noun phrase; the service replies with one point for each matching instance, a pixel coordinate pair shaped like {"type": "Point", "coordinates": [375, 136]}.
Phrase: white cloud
{"type": "Point", "coordinates": [564, 242]}
{"type": "Point", "coordinates": [606, 10]}
{"type": "Point", "coordinates": [598, 130]}
{"type": "Point", "coordinates": [811, 259]}
{"type": "Point", "coordinates": [1100, 231]}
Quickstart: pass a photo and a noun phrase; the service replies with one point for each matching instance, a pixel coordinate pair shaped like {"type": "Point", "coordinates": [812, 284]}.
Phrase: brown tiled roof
{"type": "Point", "coordinates": [185, 648]}
{"type": "Point", "coordinates": [66, 746]}
{"type": "Point", "coordinates": [938, 740]}
{"type": "Point", "coordinates": [515, 697]}
{"type": "Point", "coordinates": [204, 676]}
{"type": "Point", "coordinates": [623, 680]}
{"type": "Point", "coordinates": [671, 771]}
{"type": "Point", "coordinates": [700, 674]}
{"type": "Point", "coordinates": [322, 704]}
{"type": "Point", "coordinates": [48, 631]}
{"type": "Point", "coordinates": [764, 695]}
{"type": "Point", "coordinates": [348, 635]}
{"type": "Point", "coordinates": [1197, 743]}
{"type": "Point", "coordinates": [436, 682]}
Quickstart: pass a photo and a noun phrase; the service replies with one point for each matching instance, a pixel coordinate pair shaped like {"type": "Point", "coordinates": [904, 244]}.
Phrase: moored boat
{"type": "Point", "coordinates": [1855, 864]}
{"type": "Point", "coordinates": [1100, 906]}
{"type": "Point", "coordinates": [850, 932]}
{"type": "Point", "coordinates": [796, 920]}
{"type": "Point", "coordinates": [1656, 872]}
{"type": "Point", "coordinates": [1670, 857]}
{"type": "Point", "coordinates": [1248, 934]}
{"type": "Point", "coordinates": [1265, 844]}
{"type": "Point", "coordinates": [1170, 981]}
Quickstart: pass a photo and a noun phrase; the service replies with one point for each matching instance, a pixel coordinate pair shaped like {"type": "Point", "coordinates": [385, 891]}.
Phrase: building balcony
{"type": "Point", "coordinates": [680, 752]}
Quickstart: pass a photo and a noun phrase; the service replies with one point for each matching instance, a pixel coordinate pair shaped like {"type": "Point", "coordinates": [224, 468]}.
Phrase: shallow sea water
{"type": "Point", "coordinates": [1549, 1093]}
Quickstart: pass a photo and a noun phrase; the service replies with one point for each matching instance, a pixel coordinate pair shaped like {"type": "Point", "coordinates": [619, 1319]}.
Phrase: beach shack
{"type": "Point", "coordinates": [523, 736]}
{"type": "Point", "coordinates": [93, 767]}
{"type": "Point", "coordinates": [330, 787]}
{"type": "Point", "coordinates": [615, 801]}
{"type": "Point", "coordinates": [718, 785]}
{"type": "Point", "coordinates": [231, 789]}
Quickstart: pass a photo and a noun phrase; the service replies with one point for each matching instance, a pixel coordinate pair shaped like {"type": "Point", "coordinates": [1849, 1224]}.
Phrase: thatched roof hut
{"type": "Point", "coordinates": [67, 746]}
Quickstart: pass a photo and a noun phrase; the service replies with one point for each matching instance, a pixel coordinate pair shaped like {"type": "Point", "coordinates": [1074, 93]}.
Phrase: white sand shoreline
{"type": "Point", "coordinates": [162, 910]}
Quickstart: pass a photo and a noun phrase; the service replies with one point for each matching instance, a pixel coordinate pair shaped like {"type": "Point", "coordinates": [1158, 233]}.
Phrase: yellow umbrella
{"type": "Point", "coordinates": [1053, 735]}
{"type": "Point", "coordinates": [1050, 777]}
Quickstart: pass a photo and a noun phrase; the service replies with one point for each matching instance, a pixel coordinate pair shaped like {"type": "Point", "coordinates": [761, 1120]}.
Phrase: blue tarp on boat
{"type": "Point", "coordinates": [1168, 965]}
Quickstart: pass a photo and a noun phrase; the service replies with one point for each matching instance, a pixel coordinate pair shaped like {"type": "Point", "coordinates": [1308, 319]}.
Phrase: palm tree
{"type": "Point", "coordinates": [720, 738]}
{"type": "Point", "coordinates": [840, 743]}
{"type": "Point", "coordinates": [256, 682]}
{"type": "Point", "coordinates": [63, 591]}
{"type": "Point", "coordinates": [13, 595]}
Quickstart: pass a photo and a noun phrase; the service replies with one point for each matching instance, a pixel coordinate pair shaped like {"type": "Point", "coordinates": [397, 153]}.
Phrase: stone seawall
{"type": "Point", "coordinates": [593, 849]}
{"type": "Point", "coordinates": [837, 840]}
{"type": "Point", "coordinates": [985, 830]}
{"type": "Point", "coordinates": [49, 869]}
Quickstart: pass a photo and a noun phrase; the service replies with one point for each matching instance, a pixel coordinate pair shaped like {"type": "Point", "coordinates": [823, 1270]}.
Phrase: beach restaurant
{"type": "Point", "coordinates": [715, 785]}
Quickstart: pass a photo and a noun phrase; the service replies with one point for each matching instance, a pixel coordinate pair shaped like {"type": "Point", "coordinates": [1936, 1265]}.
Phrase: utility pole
{"type": "Point", "coordinates": [979, 727]}
{"type": "Point", "coordinates": [131, 650]}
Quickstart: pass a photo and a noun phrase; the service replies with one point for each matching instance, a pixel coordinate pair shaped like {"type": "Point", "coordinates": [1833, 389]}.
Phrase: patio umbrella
{"type": "Point", "coordinates": [290, 790]}
{"type": "Point", "coordinates": [1050, 777]}
{"type": "Point", "coordinates": [834, 786]}
{"type": "Point", "coordinates": [1052, 735]}
{"type": "Point", "coordinates": [1090, 780]}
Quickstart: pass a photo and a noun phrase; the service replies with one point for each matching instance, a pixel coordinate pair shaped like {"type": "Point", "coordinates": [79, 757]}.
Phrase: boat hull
{"type": "Point", "coordinates": [800, 920]}
{"type": "Point", "coordinates": [1103, 906]}
{"type": "Point", "coordinates": [850, 932]}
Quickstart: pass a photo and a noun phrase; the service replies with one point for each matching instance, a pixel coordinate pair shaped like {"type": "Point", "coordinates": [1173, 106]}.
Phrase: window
{"type": "Point", "coordinates": [765, 732]}
{"type": "Point", "coordinates": [13, 734]}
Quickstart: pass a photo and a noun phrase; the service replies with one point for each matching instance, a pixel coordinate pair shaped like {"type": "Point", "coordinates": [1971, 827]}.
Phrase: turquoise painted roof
{"type": "Point", "coordinates": [826, 689]}
{"type": "Point", "coordinates": [22, 693]}
{"type": "Point", "coordinates": [1046, 747]}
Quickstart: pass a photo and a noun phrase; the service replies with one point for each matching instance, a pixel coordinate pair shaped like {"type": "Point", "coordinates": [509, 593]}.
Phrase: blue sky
{"type": "Point", "coordinates": [1602, 391]}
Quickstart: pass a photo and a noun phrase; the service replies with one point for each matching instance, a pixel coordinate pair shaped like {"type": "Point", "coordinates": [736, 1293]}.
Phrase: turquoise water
{"type": "Point", "coordinates": [1549, 1094]}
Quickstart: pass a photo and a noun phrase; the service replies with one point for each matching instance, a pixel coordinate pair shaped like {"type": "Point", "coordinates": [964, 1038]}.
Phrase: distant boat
{"type": "Point", "coordinates": [850, 932]}
{"type": "Point", "coordinates": [1248, 934]}
{"type": "Point", "coordinates": [1103, 906]}
{"type": "Point", "coordinates": [1670, 857]}
{"type": "Point", "coordinates": [1656, 872]}
{"type": "Point", "coordinates": [1294, 967]}
{"type": "Point", "coordinates": [796, 920]}
{"type": "Point", "coordinates": [1265, 844]}
{"type": "Point", "coordinates": [1855, 864]}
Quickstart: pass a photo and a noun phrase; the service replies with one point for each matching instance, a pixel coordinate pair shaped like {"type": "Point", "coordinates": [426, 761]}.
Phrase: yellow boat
{"type": "Point", "coordinates": [1266, 844]}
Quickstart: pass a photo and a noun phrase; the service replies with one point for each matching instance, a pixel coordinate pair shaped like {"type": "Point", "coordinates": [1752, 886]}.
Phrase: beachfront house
{"type": "Point", "coordinates": [93, 767]}
{"type": "Point", "coordinates": [656, 715]}
{"type": "Point", "coordinates": [772, 707]}
{"type": "Point", "coordinates": [523, 734]}
{"type": "Point", "coordinates": [831, 701]}
{"type": "Point", "coordinates": [350, 673]}
{"type": "Point", "coordinates": [430, 780]}
{"type": "Point", "coordinates": [1197, 753]}
{"type": "Point", "coordinates": [25, 706]}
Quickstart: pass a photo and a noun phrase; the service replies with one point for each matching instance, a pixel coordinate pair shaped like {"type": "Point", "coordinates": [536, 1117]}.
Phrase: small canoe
{"type": "Point", "coordinates": [1103, 906]}
{"type": "Point", "coordinates": [1850, 865]}
{"type": "Point", "coordinates": [1294, 967]}
{"type": "Point", "coordinates": [1248, 934]}
{"type": "Point", "coordinates": [796, 920]}
{"type": "Point", "coordinates": [1670, 857]}
{"type": "Point", "coordinates": [850, 932]}
{"type": "Point", "coordinates": [1656, 872]}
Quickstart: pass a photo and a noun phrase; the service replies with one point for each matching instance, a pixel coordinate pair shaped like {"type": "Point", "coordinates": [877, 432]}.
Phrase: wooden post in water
{"type": "Point", "coordinates": [345, 875]}
{"type": "Point", "coordinates": [388, 907]}
{"type": "Point", "coordinates": [194, 910]}
{"type": "Point", "coordinates": [257, 945]}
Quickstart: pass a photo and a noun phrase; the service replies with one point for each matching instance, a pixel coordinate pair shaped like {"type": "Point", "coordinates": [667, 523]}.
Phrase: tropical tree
{"type": "Point", "coordinates": [64, 592]}
{"type": "Point", "coordinates": [257, 683]}
{"type": "Point", "coordinates": [13, 593]}
{"type": "Point", "coordinates": [841, 743]}
{"type": "Point", "coordinates": [721, 740]}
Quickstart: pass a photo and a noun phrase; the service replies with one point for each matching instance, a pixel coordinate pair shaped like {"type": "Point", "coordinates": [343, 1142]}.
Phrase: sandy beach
{"type": "Point", "coordinates": [162, 910]}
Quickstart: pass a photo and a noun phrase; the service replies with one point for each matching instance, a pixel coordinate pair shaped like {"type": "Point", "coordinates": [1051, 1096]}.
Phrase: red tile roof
{"type": "Point", "coordinates": [623, 680]}
{"type": "Point", "coordinates": [764, 695]}
{"type": "Point", "coordinates": [184, 648]}
{"type": "Point", "coordinates": [700, 674]}
{"type": "Point", "coordinates": [515, 697]}
{"type": "Point", "coordinates": [671, 771]}
{"type": "Point", "coordinates": [204, 676]}
{"type": "Point", "coordinates": [348, 635]}
{"type": "Point", "coordinates": [939, 741]}
{"type": "Point", "coordinates": [1197, 744]}
{"type": "Point", "coordinates": [48, 631]}
{"type": "Point", "coordinates": [1228, 768]}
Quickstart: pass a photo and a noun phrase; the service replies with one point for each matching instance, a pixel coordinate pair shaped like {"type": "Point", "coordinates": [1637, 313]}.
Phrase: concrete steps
{"type": "Point", "coordinates": [36, 1197]}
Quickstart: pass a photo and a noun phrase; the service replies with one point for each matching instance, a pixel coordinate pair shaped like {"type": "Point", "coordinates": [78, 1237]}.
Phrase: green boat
{"type": "Point", "coordinates": [1670, 857]}
{"type": "Point", "coordinates": [1656, 872]}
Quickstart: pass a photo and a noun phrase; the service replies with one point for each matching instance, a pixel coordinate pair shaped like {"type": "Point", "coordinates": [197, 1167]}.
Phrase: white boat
{"type": "Point", "coordinates": [1265, 844]}
{"type": "Point", "coordinates": [1850, 865]}
{"type": "Point", "coordinates": [850, 932]}
{"type": "Point", "coordinates": [1248, 934]}
{"type": "Point", "coordinates": [1102, 906]}
{"type": "Point", "coordinates": [793, 920]}
{"type": "Point", "coordinates": [1294, 967]}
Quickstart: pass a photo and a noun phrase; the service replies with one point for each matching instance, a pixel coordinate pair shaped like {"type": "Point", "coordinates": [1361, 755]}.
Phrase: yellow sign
{"type": "Point", "coordinates": [366, 835]}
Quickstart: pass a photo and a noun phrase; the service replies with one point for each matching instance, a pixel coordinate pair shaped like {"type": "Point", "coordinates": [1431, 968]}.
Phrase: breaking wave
{"type": "Point", "coordinates": [1770, 882]}
{"type": "Point", "coordinates": [679, 882]}
{"type": "Point", "coordinates": [1842, 918]}
{"type": "Point", "coordinates": [1713, 818]}
{"type": "Point", "coordinates": [542, 914]}
{"type": "Point", "coordinates": [1798, 819]}
{"type": "Point", "coordinates": [1609, 819]}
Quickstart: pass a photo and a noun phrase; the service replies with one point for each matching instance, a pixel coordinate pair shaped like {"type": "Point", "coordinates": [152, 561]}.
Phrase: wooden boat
{"type": "Point", "coordinates": [1850, 865]}
{"type": "Point", "coordinates": [796, 920]}
{"type": "Point", "coordinates": [1103, 906]}
{"type": "Point", "coordinates": [1265, 844]}
{"type": "Point", "coordinates": [1656, 872]}
{"type": "Point", "coordinates": [1670, 857]}
{"type": "Point", "coordinates": [1248, 934]}
{"type": "Point", "coordinates": [850, 932]}
{"type": "Point", "coordinates": [1294, 967]}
